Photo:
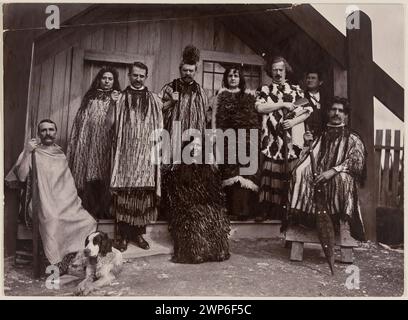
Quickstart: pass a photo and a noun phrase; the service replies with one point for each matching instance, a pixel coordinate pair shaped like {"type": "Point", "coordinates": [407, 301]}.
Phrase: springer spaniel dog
{"type": "Point", "coordinates": [101, 261]}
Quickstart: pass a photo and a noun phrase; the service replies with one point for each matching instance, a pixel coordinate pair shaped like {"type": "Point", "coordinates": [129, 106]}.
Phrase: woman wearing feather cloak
{"type": "Point", "coordinates": [234, 108]}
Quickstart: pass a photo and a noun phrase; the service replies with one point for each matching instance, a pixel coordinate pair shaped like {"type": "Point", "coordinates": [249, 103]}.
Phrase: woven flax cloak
{"type": "Point", "coordinates": [344, 151]}
{"type": "Point", "coordinates": [135, 180]}
{"type": "Point", "coordinates": [90, 142]}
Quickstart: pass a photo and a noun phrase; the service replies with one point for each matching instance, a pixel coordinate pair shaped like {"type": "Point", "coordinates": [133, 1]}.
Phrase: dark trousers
{"type": "Point", "coordinates": [126, 231]}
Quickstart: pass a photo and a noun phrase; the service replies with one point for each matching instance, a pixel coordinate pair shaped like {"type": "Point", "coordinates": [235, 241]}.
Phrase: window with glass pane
{"type": "Point", "coordinates": [213, 72]}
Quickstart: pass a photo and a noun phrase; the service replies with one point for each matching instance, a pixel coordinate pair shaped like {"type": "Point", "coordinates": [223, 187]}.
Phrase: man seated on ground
{"type": "Point", "coordinates": [340, 157]}
{"type": "Point", "coordinates": [64, 224]}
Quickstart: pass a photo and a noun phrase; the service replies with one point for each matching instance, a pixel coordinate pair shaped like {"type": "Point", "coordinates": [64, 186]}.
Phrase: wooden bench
{"type": "Point", "coordinates": [298, 236]}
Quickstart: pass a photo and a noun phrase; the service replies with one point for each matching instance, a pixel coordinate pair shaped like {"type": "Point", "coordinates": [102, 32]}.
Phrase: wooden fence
{"type": "Point", "coordinates": [390, 165]}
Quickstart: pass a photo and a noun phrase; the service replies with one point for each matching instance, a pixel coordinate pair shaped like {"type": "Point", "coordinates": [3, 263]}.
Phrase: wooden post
{"type": "Point", "coordinates": [360, 92]}
{"type": "Point", "coordinates": [36, 224]}
{"type": "Point", "coordinates": [395, 168]}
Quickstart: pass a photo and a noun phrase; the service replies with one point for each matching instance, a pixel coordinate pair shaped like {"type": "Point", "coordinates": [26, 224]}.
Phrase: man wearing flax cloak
{"type": "Point", "coordinates": [340, 163]}
{"type": "Point", "coordinates": [135, 179]}
{"type": "Point", "coordinates": [63, 223]}
{"type": "Point", "coordinates": [194, 199]}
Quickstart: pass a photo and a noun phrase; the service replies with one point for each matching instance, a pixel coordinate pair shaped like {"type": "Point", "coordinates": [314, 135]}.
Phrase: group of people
{"type": "Point", "coordinates": [110, 157]}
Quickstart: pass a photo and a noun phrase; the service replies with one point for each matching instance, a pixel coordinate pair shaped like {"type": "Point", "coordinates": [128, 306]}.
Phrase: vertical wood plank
{"type": "Point", "coordinates": [65, 130]}
{"type": "Point", "coordinates": [175, 48]}
{"type": "Point", "coordinates": [97, 39]}
{"type": "Point", "coordinates": [75, 94]}
{"type": "Point", "coordinates": [46, 86]}
{"type": "Point", "coordinates": [401, 184]}
{"type": "Point", "coordinates": [208, 33]}
{"type": "Point", "coordinates": [108, 38]}
{"type": "Point", "coordinates": [121, 31]}
{"type": "Point", "coordinates": [395, 168]}
{"type": "Point", "coordinates": [163, 64]}
{"type": "Point", "coordinates": [198, 34]}
{"type": "Point", "coordinates": [86, 42]}
{"type": "Point", "coordinates": [378, 167]}
{"type": "Point", "coordinates": [187, 33]}
{"type": "Point", "coordinates": [57, 97]}
{"type": "Point", "coordinates": [386, 174]}
{"type": "Point", "coordinates": [132, 38]}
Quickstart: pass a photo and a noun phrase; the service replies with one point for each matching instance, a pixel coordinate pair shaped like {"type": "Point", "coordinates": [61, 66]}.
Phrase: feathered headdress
{"type": "Point", "coordinates": [191, 55]}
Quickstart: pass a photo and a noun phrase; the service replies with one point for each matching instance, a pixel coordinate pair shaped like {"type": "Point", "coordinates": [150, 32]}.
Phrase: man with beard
{"type": "Point", "coordinates": [281, 122]}
{"type": "Point", "coordinates": [135, 180]}
{"type": "Point", "coordinates": [63, 223]}
{"type": "Point", "coordinates": [194, 199]}
{"type": "Point", "coordinates": [340, 164]}
{"type": "Point", "coordinates": [184, 100]}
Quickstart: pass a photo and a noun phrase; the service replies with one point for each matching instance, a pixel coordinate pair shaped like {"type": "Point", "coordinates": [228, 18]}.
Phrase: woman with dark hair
{"type": "Point", "coordinates": [234, 108]}
{"type": "Point", "coordinates": [89, 149]}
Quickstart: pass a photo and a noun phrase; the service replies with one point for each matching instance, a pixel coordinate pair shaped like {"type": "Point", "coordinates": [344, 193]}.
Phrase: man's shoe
{"type": "Point", "coordinates": [142, 243]}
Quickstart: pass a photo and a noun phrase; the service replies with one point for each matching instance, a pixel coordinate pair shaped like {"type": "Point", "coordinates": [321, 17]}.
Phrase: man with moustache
{"type": "Point", "coordinates": [318, 119]}
{"type": "Point", "coordinates": [184, 100]}
{"type": "Point", "coordinates": [63, 223]}
{"type": "Point", "coordinates": [281, 120]}
{"type": "Point", "coordinates": [194, 200]}
{"type": "Point", "coordinates": [135, 179]}
{"type": "Point", "coordinates": [340, 165]}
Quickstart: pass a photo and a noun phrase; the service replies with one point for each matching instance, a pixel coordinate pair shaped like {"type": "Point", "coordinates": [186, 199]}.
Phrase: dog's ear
{"type": "Point", "coordinates": [86, 241]}
{"type": "Point", "coordinates": [106, 245]}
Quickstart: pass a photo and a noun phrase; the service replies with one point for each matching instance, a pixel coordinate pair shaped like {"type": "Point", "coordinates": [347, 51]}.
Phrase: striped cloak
{"type": "Point", "coordinates": [135, 180]}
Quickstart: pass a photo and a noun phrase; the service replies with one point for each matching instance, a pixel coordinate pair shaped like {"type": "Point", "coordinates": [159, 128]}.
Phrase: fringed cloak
{"type": "Point", "coordinates": [190, 109]}
{"type": "Point", "coordinates": [236, 110]}
{"type": "Point", "coordinates": [90, 142]}
{"type": "Point", "coordinates": [198, 222]}
{"type": "Point", "coordinates": [135, 180]}
{"type": "Point", "coordinates": [342, 150]}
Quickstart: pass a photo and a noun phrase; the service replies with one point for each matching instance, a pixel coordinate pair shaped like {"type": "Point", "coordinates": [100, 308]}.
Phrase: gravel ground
{"type": "Point", "coordinates": [257, 268]}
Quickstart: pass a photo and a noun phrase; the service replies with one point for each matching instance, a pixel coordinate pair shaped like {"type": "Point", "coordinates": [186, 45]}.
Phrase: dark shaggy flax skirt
{"type": "Point", "coordinates": [197, 216]}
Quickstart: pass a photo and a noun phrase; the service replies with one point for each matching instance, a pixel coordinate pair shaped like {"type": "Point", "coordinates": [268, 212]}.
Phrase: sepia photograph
{"type": "Point", "coordinates": [179, 150]}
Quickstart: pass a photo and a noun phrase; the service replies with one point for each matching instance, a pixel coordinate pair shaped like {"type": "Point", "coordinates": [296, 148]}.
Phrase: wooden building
{"type": "Point", "coordinates": [66, 60]}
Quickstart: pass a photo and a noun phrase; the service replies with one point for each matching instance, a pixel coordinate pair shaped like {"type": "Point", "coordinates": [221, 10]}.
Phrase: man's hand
{"type": "Point", "coordinates": [325, 176]}
{"type": "Point", "coordinates": [308, 137]}
{"type": "Point", "coordinates": [31, 145]}
{"type": "Point", "coordinates": [115, 95]}
{"type": "Point", "coordinates": [287, 124]}
{"type": "Point", "coordinates": [289, 106]}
